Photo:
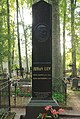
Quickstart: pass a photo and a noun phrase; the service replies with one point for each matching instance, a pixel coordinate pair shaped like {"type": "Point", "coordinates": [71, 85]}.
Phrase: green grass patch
{"type": "Point", "coordinates": [58, 97]}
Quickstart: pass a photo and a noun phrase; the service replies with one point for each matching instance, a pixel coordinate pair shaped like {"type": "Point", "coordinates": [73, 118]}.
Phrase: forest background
{"type": "Point", "coordinates": [16, 37]}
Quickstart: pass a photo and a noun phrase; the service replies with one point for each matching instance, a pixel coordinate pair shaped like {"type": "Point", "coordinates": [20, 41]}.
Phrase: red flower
{"type": "Point", "coordinates": [54, 112]}
{"type": "Point", "coordinates": [48, 107]}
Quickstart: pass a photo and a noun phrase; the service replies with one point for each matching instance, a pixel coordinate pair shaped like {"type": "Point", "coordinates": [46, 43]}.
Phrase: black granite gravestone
{"type": "Point", "coordinates": [75, 83]}
{"type": "Point", "coordinates": [41, 60]}
{"type": "Point", "coordinates": [42, 51]}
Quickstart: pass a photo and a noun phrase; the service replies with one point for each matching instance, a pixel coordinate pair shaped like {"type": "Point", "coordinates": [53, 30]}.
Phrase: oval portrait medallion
{"type": "Point", "coordinates": [41, 32]}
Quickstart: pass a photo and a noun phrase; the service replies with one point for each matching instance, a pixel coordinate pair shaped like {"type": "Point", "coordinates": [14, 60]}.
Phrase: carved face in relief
{"type": "Point", "coordinates": [41, 32]}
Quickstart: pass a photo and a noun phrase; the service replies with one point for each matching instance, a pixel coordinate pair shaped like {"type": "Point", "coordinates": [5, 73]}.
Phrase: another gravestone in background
{"type": "Point", "coordinates": [75, 83]}
{"type": "Point", "coordinates": [41, 60]}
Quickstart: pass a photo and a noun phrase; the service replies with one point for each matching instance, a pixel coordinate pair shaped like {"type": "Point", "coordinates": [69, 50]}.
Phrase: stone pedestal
{"type": "Point", "coordinates": [37, 106]}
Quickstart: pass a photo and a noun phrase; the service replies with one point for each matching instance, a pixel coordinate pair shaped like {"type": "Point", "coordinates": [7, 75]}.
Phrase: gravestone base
{"type": "Point", "coordinates": [37, 106]}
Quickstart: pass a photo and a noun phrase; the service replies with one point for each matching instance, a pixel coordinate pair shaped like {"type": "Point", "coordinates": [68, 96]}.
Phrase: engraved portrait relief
{"type": "Point", "coordinates": [41, 32]}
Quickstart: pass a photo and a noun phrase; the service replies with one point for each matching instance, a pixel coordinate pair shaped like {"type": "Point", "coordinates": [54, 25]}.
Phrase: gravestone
{"type": "Point", "coordinates": [42, 51]}
{"type": "Point", "coordinates": [41, 60]}
{"type": "Point", "coordinates": [75, 83]}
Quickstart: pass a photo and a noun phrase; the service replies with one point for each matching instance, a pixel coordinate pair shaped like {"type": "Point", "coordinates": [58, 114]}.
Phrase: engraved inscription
{"type": "Point", "coordinates": [42, 72]}
{"type": "Point", "coordinates": [41, 68]}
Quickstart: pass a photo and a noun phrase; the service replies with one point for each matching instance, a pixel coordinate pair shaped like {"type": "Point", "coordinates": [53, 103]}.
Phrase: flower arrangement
{"type": "Point", "coordinates": [53, 113]}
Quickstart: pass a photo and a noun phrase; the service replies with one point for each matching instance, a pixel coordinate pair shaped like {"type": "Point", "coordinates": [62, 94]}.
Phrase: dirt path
{"type": "Point", "coordinates": [73, 101]}
{"type": "Point", "coordinates": [19, 111]}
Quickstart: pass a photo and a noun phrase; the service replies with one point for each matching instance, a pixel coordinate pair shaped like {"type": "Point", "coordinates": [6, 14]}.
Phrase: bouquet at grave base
{"type": "Point", "coordinates": [50, 113]}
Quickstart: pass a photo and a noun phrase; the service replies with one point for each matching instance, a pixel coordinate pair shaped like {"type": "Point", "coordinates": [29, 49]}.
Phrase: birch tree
{"type": "Point", "coordinates": [56, 49]}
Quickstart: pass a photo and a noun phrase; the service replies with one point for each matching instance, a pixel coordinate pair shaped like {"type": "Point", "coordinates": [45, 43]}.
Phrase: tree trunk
{"type": "Point", "coordinates": [64, 23]}
{"type": "Point", "coordinates": [56, 50]}
{"type": "Point", "coordinates": [19, 50]}
{"type": "Point", "coordinates": [9, 42]}
{"type": "Point", "coordinates": [1, 65]}
{"type": "Point", "coordinates": [25, 36]}
{"type": "Point", "coordinates": [13, 49]}
{"type": "Point", "coordinates": [26, 52]}
{"type": "Point", "coordinates": [74, 71]}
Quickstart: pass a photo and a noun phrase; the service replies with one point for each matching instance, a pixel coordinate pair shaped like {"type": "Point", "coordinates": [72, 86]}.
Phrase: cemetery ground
{"type": "Point", "coordinates": [19, 101]}
{"type": "Point", "coordinates": [72, 108]}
